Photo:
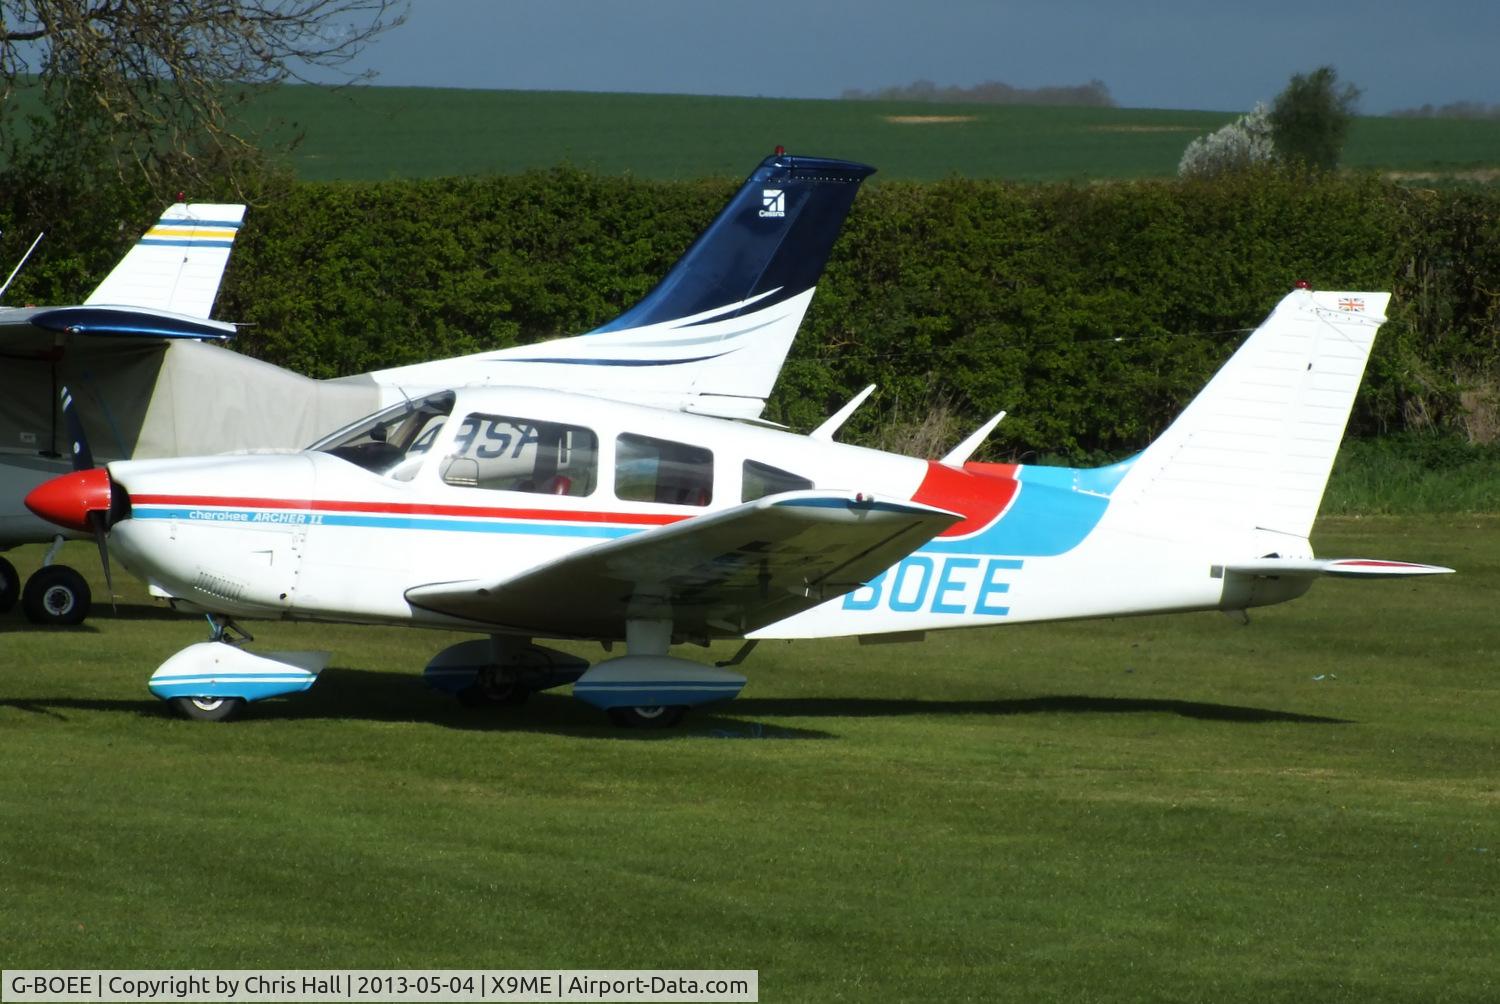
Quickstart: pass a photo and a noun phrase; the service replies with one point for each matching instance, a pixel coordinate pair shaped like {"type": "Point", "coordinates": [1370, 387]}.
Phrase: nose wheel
{"type": "Point", "coordinates": [207, 709]}
{"type": "Point", "coordinates": [657, 716]}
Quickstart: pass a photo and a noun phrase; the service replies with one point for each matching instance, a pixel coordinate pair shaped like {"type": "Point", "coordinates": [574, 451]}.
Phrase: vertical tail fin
{"type": "Point", "coordinates": [768, 245]}
{"type": "Point", "coordinates": [176, 266]}
{"type": "Point", "coordinates": [1255, 447]}
{"type": "Point", "coordinates": [711, 337]}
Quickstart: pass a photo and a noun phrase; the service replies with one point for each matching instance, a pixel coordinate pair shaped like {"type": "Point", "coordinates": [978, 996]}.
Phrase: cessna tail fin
{"type": "Point", "coordinates": [176, 266]}
{"type": "Point", "coordinates": [711, 337]}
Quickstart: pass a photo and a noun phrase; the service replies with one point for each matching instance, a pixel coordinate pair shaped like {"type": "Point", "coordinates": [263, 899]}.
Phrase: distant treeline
{"type": "Point", "coordinates": [1091, 314]}
{"type": "Point", "coordinates": [1094, 94]}
{"type": "Point", "coordinates": [1455, 110]}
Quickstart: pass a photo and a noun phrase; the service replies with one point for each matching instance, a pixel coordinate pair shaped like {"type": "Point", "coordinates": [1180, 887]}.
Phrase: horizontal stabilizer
{"type": "Point", "coordinates": [717, 575]}
{"type": "Point", "coordinates": [1348, 568]}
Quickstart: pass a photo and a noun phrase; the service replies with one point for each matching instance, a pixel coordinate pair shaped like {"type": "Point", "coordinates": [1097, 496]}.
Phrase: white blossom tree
{"type": "Point", "coordinates": [1243, 143]}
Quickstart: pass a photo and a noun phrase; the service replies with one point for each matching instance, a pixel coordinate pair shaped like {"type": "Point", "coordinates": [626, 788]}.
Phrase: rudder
{"type": "Point", "coordinates": [1256, 446]}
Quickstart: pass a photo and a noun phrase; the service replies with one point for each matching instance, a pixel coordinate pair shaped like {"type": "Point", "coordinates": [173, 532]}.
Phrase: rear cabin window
{"type": "Point", "coordinates": [761, 480]}
{"type": "Point", "coordinates": [505, 453]}
{"type": "Point", "coordinates": [659, 470]}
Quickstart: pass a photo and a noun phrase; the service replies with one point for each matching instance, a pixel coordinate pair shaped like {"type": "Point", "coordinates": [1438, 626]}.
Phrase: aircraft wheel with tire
{"type": "Point", "coordinates": [657, 716]}
{"type": "Point", "coordinates": [492, 697]}
{"type": "Point", "coordinates": [56, 595]}
{"type": "Point", "coordinates": [10, 586]}
{"type": "Point", "coordinates": [207, 709]}
{"type": "Point", "coordinates": [493, 690]}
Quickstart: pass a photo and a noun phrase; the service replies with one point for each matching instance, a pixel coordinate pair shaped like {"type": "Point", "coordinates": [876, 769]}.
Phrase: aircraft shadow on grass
{"type": "Point", "coordinates": [15, 623]}
{"type": "Point", "coordinates": [372, 695]}
{"type": "Point", "coordinates": [871, 707]}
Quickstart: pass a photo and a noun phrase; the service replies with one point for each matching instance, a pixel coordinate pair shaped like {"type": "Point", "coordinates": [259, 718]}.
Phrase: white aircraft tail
{"type": "Point", "coordinates": [1256, 445]}
{"type": "Point", "coordinates": [711, 337]}
{"type": "Point", "coordinates": [176, 266]}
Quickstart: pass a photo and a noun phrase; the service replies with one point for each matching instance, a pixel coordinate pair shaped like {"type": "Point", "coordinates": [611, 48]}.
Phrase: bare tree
{"type": "Point", "coordinates": [150, 87]}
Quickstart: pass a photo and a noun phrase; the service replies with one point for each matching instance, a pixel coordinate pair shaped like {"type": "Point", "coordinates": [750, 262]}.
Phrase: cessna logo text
{"type": "Point", "coordinates": [772, 203]}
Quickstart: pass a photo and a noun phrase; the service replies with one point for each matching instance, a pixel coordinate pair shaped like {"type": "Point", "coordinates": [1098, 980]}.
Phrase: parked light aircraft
{"type": "Point", "coordinates": [521, 512]}
{"type": "Point", "coordinates": [710, 339]}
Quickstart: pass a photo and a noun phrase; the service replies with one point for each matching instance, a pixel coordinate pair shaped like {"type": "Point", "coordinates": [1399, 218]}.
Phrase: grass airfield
{"type": "Point", "coordinates": [1165, 808]}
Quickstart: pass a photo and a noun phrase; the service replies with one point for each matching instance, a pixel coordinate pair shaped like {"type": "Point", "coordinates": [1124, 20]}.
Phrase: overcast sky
{"type": "Point", "coordinates": [1151, 53]}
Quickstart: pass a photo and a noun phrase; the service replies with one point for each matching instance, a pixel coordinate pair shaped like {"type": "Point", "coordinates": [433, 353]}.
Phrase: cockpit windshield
{"type": "Point", "coordinates": [393, 441]}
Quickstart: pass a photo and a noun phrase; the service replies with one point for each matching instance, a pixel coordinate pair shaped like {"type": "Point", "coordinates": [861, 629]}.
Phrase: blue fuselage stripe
{"type": "Point", "coordinates": [246, 518]}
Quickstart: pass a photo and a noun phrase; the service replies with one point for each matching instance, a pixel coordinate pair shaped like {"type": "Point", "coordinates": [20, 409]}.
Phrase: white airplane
{"type": "Point", "coordinates": [520, 512]}
{"type": "Point", "coordinates": [709, 339]}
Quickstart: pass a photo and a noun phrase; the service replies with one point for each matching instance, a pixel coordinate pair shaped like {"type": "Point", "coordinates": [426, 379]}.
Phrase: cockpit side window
{"type": "Point", "coordinates": [506, 453]}
{"type": "Point", "coordinates": [392, 441]}
{"type": "Point", "coordinates": [761, 480]}
{"type": "Point", "coordinates": [659, 470]}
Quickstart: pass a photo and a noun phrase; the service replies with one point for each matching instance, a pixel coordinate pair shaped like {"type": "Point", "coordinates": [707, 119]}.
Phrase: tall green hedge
{"type": "Point", "coordinates": [1091, 314]}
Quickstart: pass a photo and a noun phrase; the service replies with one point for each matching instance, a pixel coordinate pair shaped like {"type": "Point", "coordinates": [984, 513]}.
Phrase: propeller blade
{"type": "Point", "coordinates": [99, 523]}
{"type": "Point", "coordinates": [83, 457]}
{"type": "Point", "coordinates": [83, 460]}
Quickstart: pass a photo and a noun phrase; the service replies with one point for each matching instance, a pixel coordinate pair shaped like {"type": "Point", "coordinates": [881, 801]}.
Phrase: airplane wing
{"type": "Point", "coordinates": [720, 575]}
{"type": "Point", "coordinates": [1346, 568]}
{"type": "Point", "coordinates": [177, 265]}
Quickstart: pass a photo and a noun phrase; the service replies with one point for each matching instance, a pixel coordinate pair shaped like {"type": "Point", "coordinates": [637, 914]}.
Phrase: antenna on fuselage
{"type": "Point", "coordinates": [11, 278]}
{"type": "Point", "coordinates": [963, 451]}
{"type": "Point", "coordinates": [837, 419]}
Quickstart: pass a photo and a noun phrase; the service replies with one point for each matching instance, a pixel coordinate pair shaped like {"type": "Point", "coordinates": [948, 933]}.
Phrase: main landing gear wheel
{"type": "Point", "coordinates": [491, 689]}
{"type": "Point", "coordinates": [10, 586]}
{"type": "Point", "coordinates": [656, 716]}
{"type": "Point", "coordinates": [493, 697]}
{"type": "Point", "coordinates": [56, 595]}
{"type": "Point", "coordinates": [207, 709]}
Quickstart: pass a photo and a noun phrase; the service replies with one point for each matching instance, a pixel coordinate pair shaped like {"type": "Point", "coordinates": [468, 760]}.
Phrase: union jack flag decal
{"type": "Point", "coordinates": [1352, 303]}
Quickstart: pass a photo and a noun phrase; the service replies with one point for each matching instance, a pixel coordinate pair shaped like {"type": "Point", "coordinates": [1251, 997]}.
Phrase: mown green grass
{"type": "Point", "coordinates": [1164, 808]}
{"type": "Point", "coordinates": [394, 132]}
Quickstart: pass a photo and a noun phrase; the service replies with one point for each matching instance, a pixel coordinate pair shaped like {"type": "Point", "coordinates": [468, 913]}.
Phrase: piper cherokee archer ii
{"type": "Point", "coordinates": [524, 513]}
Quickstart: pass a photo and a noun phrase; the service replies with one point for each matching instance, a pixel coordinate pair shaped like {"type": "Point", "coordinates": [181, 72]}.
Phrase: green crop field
{"type": "Point", "coordinates": [392, 132]}
{"type": "Point", "coordinates": [1180, 808]}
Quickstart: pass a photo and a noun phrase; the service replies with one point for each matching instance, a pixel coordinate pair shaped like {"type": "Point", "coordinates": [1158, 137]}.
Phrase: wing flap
{"type": "Point", "coordinates": [719, 575]}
